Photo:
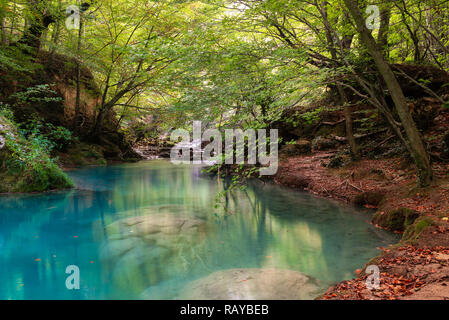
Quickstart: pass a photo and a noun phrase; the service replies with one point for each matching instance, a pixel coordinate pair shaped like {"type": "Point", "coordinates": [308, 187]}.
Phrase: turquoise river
{"type": "Point", "coordinates": [153, 230]}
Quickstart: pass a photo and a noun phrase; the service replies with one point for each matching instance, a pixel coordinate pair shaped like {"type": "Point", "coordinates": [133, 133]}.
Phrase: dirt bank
{"type": "Point", "coordinates": [416, 268]}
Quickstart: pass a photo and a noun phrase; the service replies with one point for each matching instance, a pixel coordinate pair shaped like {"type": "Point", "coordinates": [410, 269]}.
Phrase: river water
{"type": "Point", "coordinates": [150, 230]}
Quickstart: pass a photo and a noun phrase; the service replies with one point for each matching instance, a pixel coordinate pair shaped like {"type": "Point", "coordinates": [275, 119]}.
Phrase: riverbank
{"type": "Point", "coordinates": [415, 268]}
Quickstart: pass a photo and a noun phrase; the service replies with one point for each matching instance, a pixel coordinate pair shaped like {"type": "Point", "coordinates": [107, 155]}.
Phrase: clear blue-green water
{"type": "Point", "coordinates": [264, 226]}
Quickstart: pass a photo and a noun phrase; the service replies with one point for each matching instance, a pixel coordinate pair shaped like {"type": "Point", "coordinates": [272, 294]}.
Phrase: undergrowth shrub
{"type": "Point", "coordinates": [25, 163]}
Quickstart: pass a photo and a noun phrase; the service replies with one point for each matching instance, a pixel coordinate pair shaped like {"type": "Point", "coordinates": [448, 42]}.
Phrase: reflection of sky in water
{"type": "Point", "coordinates": [271, 227]}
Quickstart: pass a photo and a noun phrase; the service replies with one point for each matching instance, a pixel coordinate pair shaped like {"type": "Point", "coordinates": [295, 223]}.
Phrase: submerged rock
{"type": "Point", "coordinates": [154, 225]}
{"type": "Point", "coordinates": [165, 290]}
{"type": "Point", "coordinates": [116, 248]}
{"type": "Point", "coordinates": [138, 258]}
{"type": "Point", "coordinates": [140, 250]}
{"type": "Point", "coordinates": [159, 228]}
{"type": "Point", "coordinates": [252, 284]}
{"type": "Point", "coordinates": [166, 230]}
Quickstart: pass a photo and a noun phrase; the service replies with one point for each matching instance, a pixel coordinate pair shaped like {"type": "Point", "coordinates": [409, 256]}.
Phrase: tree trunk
{"type": "Point", "coordinates": [343, 98]}
{"type": "Point", "coordinates": [382, 37]}
{"type": "Point", "coordinates": [98, 127]}
{"type": "Point", "coordinates": [76, 118]}
{"type": "Point", "coordinates": [416, 145]}
{"type": "Point", "coordinates": [4, 36]}
{"type": "Point", "coordinates": [348, 123]}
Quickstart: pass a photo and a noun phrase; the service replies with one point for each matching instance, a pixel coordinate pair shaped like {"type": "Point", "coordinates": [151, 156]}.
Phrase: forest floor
{"type": "Point", "coordinates": [417, 269]}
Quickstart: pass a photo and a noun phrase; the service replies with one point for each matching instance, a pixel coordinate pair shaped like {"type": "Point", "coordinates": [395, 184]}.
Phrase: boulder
{"type": "Point", "coordinates": [252, 284]}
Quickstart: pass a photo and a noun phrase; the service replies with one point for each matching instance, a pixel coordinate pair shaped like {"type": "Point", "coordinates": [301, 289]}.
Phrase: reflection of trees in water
{"type": "Point", "coordinates": [265, 232]}
{"type": "Point", "coordinates": [325, 237]}
{"type": "Point", "coordinates": [241, 239]}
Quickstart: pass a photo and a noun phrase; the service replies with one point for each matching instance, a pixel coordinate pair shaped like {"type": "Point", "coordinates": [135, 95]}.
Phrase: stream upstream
{"type": "Point", "coordinates": [154, 230]}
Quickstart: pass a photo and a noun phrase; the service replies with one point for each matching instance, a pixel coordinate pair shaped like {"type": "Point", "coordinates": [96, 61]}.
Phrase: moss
{"type": "Point", "coordinates": [414, 231]}
{"type": "Point", "coordinates": [42, 176]}
{"type": "Point", "coordinates": [38, 180]}
{"type": "Point", "coordinates": [101, 162]}
{"type": "Point", "coordinates": [83, 154]}
{"type": "Point", "coordinates": [396, 220]}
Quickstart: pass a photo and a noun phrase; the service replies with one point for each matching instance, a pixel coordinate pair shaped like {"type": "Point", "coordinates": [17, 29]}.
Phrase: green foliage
{"type": "Point", "coordinates": [6, 112]}
{"type": "Point", "coordinates": [41, 93]}
{"type": "Point", "coordinates": [83, 154]}
{"type": "Point", "coordinates": [48, 136]}
{"type": "Point", "coordinates": [14, 61]}
{"type": "Point", "coordinates": [312, 116]}
{"type": "Point", "coordinates": [239, 64]}
{"type": "Point", "coordinates": [25, 165]}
